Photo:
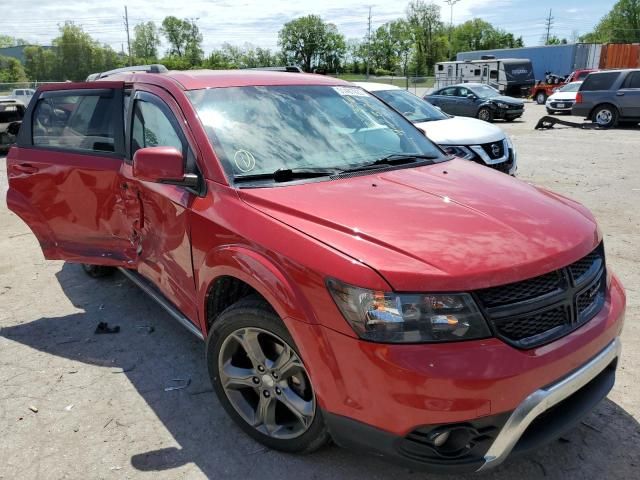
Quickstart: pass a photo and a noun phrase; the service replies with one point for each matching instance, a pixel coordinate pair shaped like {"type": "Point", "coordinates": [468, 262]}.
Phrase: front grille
{"type": "Point", "coordinates": [567, 104]}
{"type": "Point", "coordinates": [536, 311]}
{"type": "Point", "coordinates": [516, 292]}
{"type": "Point", "coordinates": [533, 325]}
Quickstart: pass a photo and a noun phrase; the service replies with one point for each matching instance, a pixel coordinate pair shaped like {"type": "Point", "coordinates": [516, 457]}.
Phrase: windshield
{"type": "Point", "coordinates": [412, 107]}
{"type": "Point", "coordinates": [259, 130]}
{"type": "Point", "coordinates": [571, 87]}
{"type": "Point", "coordinates": [484, 91]}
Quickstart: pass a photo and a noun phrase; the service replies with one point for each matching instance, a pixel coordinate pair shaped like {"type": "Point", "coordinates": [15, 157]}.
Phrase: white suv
{"type": "Point", "coordinates": [463, 137]}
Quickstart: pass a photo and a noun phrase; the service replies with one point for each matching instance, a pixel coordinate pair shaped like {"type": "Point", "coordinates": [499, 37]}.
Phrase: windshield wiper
{"type": "Point", "coordinates": [392, 159]}
{"type": "Point", "coordinates": [287, 174]}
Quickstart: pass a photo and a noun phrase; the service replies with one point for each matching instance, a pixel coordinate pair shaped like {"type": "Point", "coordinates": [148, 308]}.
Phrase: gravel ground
{"type": "Point", "coordinates": [102, 408]}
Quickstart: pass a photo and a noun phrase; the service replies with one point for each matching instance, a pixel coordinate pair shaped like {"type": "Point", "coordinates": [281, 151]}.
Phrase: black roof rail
{"type": "Point", "coordinates": [288, 68]}
{"type": "Point", "coordinates": [154, 68]}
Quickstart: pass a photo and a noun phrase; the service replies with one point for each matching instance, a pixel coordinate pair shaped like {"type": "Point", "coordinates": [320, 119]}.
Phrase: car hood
{"type": "Point", "coordinates": [508, 100]}
{"type": "Point", "coordinates": [563, 96]}
{"type": "Point", "coordinates": [449, 226]}
{"type": "Point", "coordinates": [461, 131]}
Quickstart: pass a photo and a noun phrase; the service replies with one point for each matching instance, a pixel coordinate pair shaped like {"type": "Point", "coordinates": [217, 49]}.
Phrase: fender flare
{"type": "Point", "coordinates": [259, 272]}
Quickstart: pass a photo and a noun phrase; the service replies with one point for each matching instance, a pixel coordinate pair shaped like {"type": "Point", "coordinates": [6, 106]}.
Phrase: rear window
{"type": "Point", "coordinates": [75, 122]}
{"type": "Point", "coordinates": [599, 81]}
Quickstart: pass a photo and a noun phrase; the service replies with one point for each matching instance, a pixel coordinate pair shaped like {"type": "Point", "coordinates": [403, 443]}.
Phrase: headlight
{"type": "Point", "coordinates": [501, 105]}
{"type": "Point", "coordinates": [458, 151]}
{"type": "Point", "coordinates": [387, 317]}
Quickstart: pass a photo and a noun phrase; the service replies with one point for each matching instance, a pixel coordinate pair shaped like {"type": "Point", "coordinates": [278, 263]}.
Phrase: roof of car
{"type": "Point", "coordinates": [376, 87]}
{"type": "Point", "coordinates": [199, 79]}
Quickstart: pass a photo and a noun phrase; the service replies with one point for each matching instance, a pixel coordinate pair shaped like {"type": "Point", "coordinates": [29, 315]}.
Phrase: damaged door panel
{"type": "Point", "coordinates": [159, 212]}
{"type": "Point", "coordinates": [64, 175]}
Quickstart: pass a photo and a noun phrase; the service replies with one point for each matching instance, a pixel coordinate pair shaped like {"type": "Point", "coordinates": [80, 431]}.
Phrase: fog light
{"type": "Point", "coordinates": [439, 439]}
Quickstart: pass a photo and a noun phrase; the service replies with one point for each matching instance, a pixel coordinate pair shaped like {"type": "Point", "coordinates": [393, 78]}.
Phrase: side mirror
{"type": "Point", "coordinates": [471, 96]}
{"type": "Point", "coordinates": [162, 165]}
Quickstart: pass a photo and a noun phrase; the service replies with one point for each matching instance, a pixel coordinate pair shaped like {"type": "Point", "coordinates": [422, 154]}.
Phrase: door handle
{"type": "Point", "coordinates": [620, 94]}
{"type": "Point", "coordinates": [25, 168]}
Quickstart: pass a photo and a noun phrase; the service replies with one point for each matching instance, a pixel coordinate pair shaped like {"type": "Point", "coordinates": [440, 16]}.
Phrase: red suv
{"type": "Point", "coordinates": [351, 280]}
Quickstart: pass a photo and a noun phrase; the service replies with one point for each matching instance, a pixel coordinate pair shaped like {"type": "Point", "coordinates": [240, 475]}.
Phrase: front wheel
{"type": "Point", "coordinates": [97, 271]}
{"type": "Point", "coordinates": [606, 116]}
{"type": "Point", "coordinates": [261, 381]}
{"type": "Point", "coordinates": [551, 112]}
{"type": "Point", "coordinates": [485, 114]}
{"type": "Point", "coordinates": [541, 98]}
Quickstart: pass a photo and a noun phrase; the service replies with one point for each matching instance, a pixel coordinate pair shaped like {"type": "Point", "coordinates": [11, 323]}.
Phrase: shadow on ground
{"type": "Point", "coordinates": [606, 444]}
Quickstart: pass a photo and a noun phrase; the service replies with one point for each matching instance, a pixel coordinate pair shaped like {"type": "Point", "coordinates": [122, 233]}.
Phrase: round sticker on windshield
{"type": "Point", "coordinates": [245, 161]}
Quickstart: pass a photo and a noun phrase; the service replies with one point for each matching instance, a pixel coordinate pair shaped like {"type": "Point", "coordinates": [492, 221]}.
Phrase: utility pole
{"type": "Point", "coordinates": [126, 24]}
{"type": "Point", "coordinates": [451, 3]}
{"type": "Point", "coordinates": [369, 44]}
{"type": "Point", "coordinates": [549, 23]}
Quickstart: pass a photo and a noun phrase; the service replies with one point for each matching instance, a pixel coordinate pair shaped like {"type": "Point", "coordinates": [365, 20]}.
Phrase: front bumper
{"type": "Point", "coordinates": [390, 392]}
{"type": "Point", "coordinates": [574, 396]}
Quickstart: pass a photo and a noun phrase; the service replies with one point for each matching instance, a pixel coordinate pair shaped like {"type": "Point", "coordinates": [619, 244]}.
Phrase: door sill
{"type": "Point", "coordinates": [147, 287]}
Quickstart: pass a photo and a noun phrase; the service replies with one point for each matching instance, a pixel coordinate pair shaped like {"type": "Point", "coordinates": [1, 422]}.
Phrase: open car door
{"type": "Point", "coordinates": [64, 173]}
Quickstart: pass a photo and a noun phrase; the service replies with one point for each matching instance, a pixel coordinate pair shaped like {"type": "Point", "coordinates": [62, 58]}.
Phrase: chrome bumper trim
{"type": "Point", "coordinates": [542, 400]}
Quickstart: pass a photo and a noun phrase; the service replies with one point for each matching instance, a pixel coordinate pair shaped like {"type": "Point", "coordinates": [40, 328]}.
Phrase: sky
{"type": "Point", "coordinates": [258, 21]}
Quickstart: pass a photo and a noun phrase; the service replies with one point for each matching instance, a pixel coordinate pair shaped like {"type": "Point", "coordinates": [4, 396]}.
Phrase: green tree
{"type": "Point", "coordinates": [145, 42]}
{"type": "Point", "coordinates": [477, 34]}
{"type": "Point", "coordinates": [403, 45]}
{"type": "Point", "coordinates": [39, 63]}
{"type": "Point", "coordinates": [185, 39]}
{"type": "Point", "coordinates": [77, 54]}
{"type": "Point", "coordinates": [11, 70]}
{"type": "Point", "coordinates": [310, 42]}
{"type": "Point", "coordinates": [9, 41]}
{"type": "Point", "coordinates": [620, 25]}
{"type": "Point", "coordinates": [428, 34]}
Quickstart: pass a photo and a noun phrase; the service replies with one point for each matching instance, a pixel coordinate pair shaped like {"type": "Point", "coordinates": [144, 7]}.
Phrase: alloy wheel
{"type": "Point", "coordinates": [266, 383]}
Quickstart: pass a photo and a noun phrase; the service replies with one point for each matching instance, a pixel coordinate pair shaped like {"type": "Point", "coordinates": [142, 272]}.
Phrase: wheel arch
{"type": "Point", "coordinates": [257, 274]}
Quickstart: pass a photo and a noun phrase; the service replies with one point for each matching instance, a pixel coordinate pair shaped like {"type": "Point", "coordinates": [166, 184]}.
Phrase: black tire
{"type": "Point", "coordinates": [97, 271]}
{"type": "Point", "coordinates": [541, 98]}
{"type": "Point", "coordinates": [254, 312]}
{"type": "Point", "coordinates": [605, 116]}
{"type": "Point", "coordinates": [551, 112]}
{"type": "Point", "coordinates": [485, 114]}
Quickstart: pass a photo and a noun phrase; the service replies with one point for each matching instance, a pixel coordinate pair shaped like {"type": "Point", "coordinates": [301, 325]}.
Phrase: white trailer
{"type": "Point", "coordinates": [511, 76]}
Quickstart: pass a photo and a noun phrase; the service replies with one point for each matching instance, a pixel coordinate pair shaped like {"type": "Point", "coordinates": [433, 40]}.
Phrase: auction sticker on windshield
{"type": "Point", "coordinates": [351, 91]}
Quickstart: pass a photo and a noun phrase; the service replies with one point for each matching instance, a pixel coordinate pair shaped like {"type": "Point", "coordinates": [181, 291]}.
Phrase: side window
{"type": "Point", "coordinates": [463, 92]}
{"type": "Point", "coordinates": [632, 81]}
{"type": "Point", "coordinates": [493, 75]}
{"type": "Point", "coordinates": [75, 122]}
{"type": "Point", "coordinates": [449, 92]}
{"type": "Point", "coordinates": [152, 128]}
{"type": "Point", "coordinates": [599, 81]}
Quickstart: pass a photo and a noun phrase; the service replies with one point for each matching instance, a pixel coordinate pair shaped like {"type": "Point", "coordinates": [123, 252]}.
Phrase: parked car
{"type": "Point", "coordinates": [11, 114]}
{"type": "Point", "coordinates": [609, 96]}
{"type": "Point", "coordinates": [543, 90]}
{"type": "Point", "coordinates": [476, 100]}
{"type": "Point", "coordinates": [23, 95]}
{"type": "Point", "coordinates": [563, 99]}
{"type": "Point", "coordinates": [350, 279]}
{"type": "Point", "coordinates": [466, 138]}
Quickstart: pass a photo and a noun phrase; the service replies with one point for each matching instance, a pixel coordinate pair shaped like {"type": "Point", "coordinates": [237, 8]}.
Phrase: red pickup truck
{"type": "Point", "coordinates": [351, 280]}
{"type": "Point", "coordinates": [542, 90]}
